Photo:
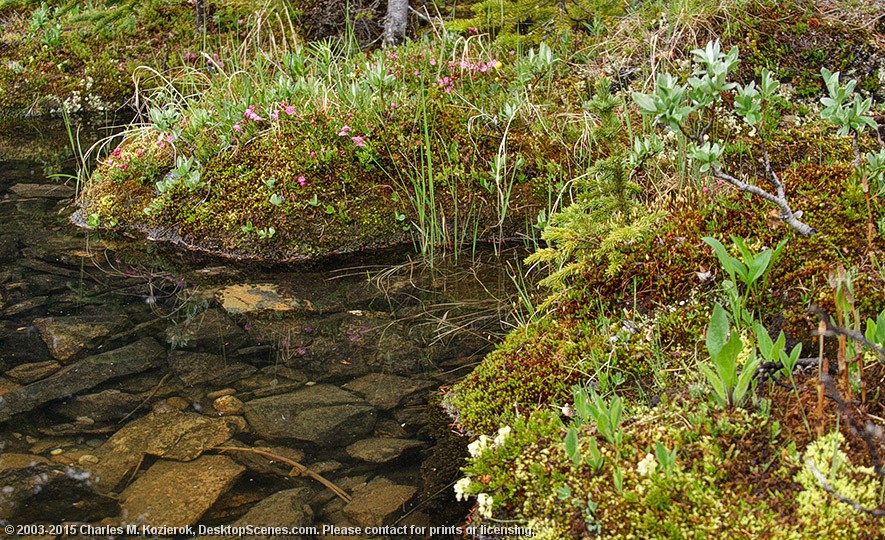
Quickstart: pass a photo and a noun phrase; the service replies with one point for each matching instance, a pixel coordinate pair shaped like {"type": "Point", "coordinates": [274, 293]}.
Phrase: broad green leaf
{"type": "Point", "coordinates": [717, 331]}
{"type": "Point", "coordinates": [719, 391]}
{"type": "Point", "coordinates": [743, 382]}
{"type": "Point", "coordinates": [759, 266]}
{"type": "Point", "coordinates": [763, 340]}
{"type": "Point", "coordinates": [645, 102]}
{"type": "Point", "coordinates": [571, 445]}
{"type": "Point", "coordinates": [726, 361]}
{"type": "Point", "coordinates": [726, 260]}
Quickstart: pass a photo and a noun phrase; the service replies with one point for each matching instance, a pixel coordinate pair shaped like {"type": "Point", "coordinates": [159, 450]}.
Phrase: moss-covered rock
{"type": "Point", "coordinates": [682, 470]}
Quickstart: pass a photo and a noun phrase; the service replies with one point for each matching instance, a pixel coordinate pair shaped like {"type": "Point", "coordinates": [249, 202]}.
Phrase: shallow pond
{"type": "Point", "coordinates": [146, 389]}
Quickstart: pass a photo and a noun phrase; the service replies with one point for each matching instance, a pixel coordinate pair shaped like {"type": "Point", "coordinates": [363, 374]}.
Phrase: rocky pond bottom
{"type": "Point", "coordinates": [143, 391]}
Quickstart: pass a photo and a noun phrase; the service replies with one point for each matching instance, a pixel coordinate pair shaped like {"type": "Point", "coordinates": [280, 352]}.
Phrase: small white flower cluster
{"type": "Point", "coordinates": [647, 466]}
{"type": "Point", "coordinates": [502, 435]}
{"type": "Point", "coordinates": [15, 67]}
{"type": "Point", "coordinates": [476, 448]}
{"type": "Point", "coordinates": [461, 487]}
{"type": "Point", "coordinates": [484, 505]}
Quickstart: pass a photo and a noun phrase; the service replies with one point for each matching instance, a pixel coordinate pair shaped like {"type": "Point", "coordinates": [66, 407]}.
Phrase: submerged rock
{"type": "Point", "coordinates": [195, 368]}
{"type": "Point", "coordinates": [177, 494]}
{"type": "Point", "coordinates": [169, 435]}
{"type": "Point", "coordinates": [43, 191]}
{"type": "Point", "coordinates": [257, 298]}
{"type": "Point", "coordinates": [87, 373]}
{"type": "Point", "coordinates": [40, 492]}
{"type": "Point", "coordinates": [28, 373]}
{"type": "Point", "coordinates": [287, 508]}
{"type": "Point", "coordinates": [385, 392]}
{"type": "Point", "coordinates": [210, 331]}
{"type": "Point", "coordinates": [100, 407]}
{"type": "Point", "coordinates": [228, 406]}
{"type": "Point", "coordinates": [323, 415]}
{"type": "Point", "coordinates": [67, 336]}
{"type": "Point", "coordinates": [382, 449]}
{"type": "Point", "coordinates": [378, 501]}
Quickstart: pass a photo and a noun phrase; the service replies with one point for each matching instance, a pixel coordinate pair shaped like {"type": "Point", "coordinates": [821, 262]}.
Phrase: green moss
{"type": "Point", "coordinates": [730, 474]}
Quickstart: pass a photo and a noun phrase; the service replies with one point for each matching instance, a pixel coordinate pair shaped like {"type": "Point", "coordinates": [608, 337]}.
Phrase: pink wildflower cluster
{"type": "Point", "coordinates": [284, 108]}
{"type": "Point", "coordinates": [301, 181]}
{"type": "Point", "coordinates": [163, 140]}
{"type": "Point", "coordinates": [191, 57]}
{"type": "Point", "coordinates": [357, 139]}
{"type": "Point", "coordinates": [250, 114]}
{"type": "Point", "coordinates": [471, 67]}
{"type": "Point", "coordinates": [446, 84]}
{"type": "Point", "coordinates": [121, 160]}
{"type": "Point", "coordinates": [115, 159]}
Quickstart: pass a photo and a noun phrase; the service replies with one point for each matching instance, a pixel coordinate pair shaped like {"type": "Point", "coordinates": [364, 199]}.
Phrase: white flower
{"type": "Point", "coordinates": [478, 446]}
{"type": "Point", "coordinates": [484, 505]}
{"type": "Point", "coordinates": [461, 487]}
{"type": "Point", "coordinates": [647, 466]}
{"type": "Point", "coordinates": [502, 435]}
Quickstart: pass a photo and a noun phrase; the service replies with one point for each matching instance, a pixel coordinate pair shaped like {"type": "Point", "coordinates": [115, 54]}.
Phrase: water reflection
{"type": "Point", "coordinates": [146, 386]}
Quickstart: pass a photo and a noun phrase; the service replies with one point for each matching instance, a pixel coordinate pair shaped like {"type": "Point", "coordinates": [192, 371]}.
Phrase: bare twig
{"type": "Point", "coordinates": [787, 215]}
{"type": "Point", "coordinates": [340, 493]}
{"type": "Point", "coordinates": [148, 398]}
{"type": "Point", "coordinates": [835, 330]}
{"type": "Point", "coordinates": [876, 512]}
{"type": "Point", "coordinates": [780, 199]}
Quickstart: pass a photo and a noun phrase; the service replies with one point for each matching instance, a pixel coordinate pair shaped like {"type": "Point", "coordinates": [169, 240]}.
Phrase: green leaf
{"type": "Point", "coordinates": [571, 445]}
{"type": "Point", "coordinates": [717, 331]}
{"type": "Point", "coordinates": [759, 266]}
{"type": "Point", "coordinates": [719, 391]}
{"type": "Point", "coordinates": [763, 340]}
{"type": "Point", "coordinates": [743, 382]}
{"type": "Point", "coordinates": [726, 361]}
{"type": "Point", "coordinates": [726, 260]}
{"type": "Point", "coordinates": [645, 102]}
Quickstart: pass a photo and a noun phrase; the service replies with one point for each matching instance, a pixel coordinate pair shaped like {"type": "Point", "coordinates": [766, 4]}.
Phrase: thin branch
{"type": "Point", "coordinates": [876, 512]}
{"type": "Point", "coordinates": [836, 330]}
{"type": "Point", "coordinates": [294, 464]}
{"type": "Point", "coordinates": [787, 214]}
{"type": "Point", "coordinates": [770, 174]}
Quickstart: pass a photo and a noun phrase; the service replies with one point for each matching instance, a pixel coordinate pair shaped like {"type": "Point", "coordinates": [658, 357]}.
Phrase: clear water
{"type": "Point", "coordinates": [346, 321]}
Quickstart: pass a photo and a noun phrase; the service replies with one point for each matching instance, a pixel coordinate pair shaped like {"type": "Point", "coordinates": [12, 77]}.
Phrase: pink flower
{"type": "Point", "coordinates": [433, 61]}
{"type": "Point", "coordinates": [290, 110]}
{"type": "Point", "coordinates": [344, 131]}
{"type": "Point", "coordinates": [415, 73]}
{"type": "Point", "coordinates": [238, 127]}
{"type": "Point", "coordinates": [472, 30]}
{"type": "Point", "coordinates": [705, 189]}
{"type": "Point", "coordinates": [275, 115]}
{"type": "Point", "coordinates": [250, 114]}
{"type": "Point", "coordinates": [464, 64]}
{"type": "Point", "coordinates": [313, 154]}
{"type": "Point", "coordinates": [301, 181]}
{"type": "Point", "coordinates": [359, 141]}
{"type": "Point", "coordinates": [170, 138]}
{"type": "Point", "coordinates": [117, 152]}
